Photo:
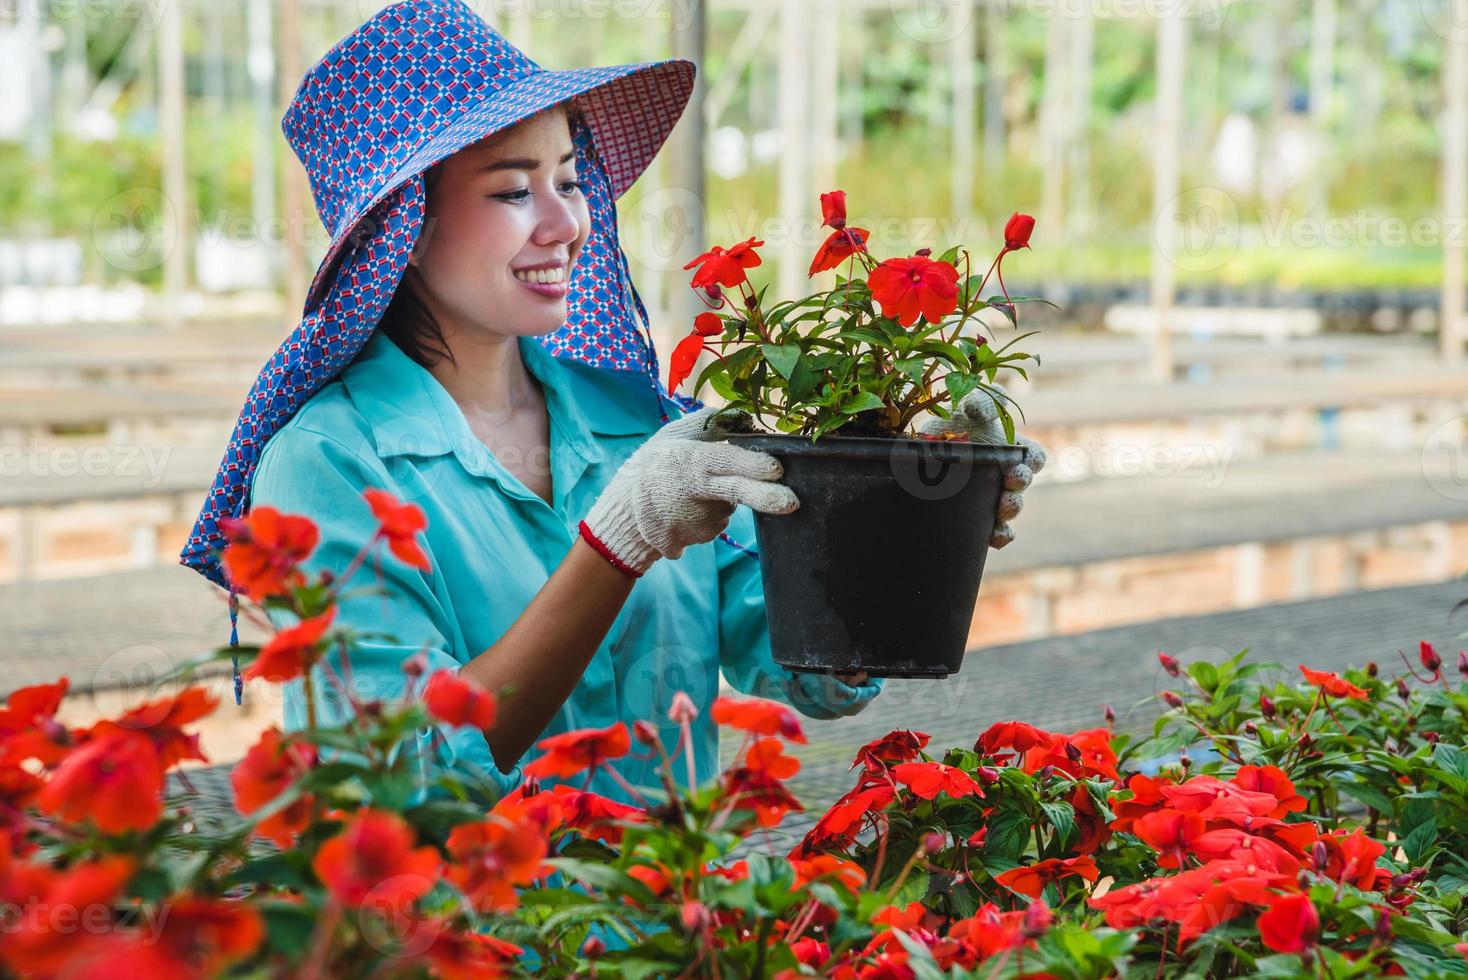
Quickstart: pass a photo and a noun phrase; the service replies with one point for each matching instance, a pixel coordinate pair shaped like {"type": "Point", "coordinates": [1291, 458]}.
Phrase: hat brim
{"type": "Point", "coordinates": [630, 109]}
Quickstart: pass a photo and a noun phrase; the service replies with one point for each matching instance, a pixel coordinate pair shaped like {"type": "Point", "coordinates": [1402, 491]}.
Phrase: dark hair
{"type": "Point", "coordinates": [407, 319]}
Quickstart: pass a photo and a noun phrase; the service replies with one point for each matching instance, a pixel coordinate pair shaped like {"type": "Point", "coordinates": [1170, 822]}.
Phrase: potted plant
{"type": "Point", "coordinates": [837, 380]}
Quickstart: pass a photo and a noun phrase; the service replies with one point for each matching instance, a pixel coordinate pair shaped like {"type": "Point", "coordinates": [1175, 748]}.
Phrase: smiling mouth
{"type": "Point", "coordinates": [543, 277]}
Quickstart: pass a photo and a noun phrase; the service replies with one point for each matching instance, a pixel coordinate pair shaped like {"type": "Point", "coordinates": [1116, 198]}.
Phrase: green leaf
{"type": "Point", "coordinates": [1062, 817]}
{"type": "Point", "coordinates": [862, 401]}
{"type": "Point", "coordinates": [960, 385]}
{"type": "Point", "coordinates": [804, 379]}
{"type": "Point", "coordinates": [1422, 837]}
{"type": "Point", "coordinates": [782, 357]}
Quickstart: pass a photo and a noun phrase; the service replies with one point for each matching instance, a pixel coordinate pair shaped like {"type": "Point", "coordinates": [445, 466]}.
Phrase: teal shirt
{"type": "Point", "coordinates": [492, 544]}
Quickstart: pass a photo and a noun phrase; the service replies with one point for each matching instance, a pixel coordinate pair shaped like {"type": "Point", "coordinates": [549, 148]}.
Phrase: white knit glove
{"type": "Point", "coordinates": [680, 488]}
{"type": "Point", "coordinates": [978, 419]}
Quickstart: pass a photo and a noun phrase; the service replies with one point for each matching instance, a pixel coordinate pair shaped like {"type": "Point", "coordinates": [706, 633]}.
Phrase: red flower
{"type": "Point", "coordinates": [768, 756]}
{"type": "Point", "coordinates": [264, 550]}
{"type": "Point", "coordinates": [197, 938]}
{"type": "Point", "coordinates": [28, 729]}
{"type": "Point", "coordinates": [572, 752]}
{"type": "Point", "coordinates": [163, 721]}
{"type": "Point", "coordinates": [52, 943]}
{"type": "Point", "coordinates": [114, 782]}
{"type": "Point", "coordinates": [838, 825]}
{"type": "Point", "coordinates": [457, 955]}
{"type": "Point", "coordinates": [833, 209]}
{"type": "Point", "coordinates": [373, 859]}
{"type": "Point", "coordinates": [1171, 833]}
{"type": "Point", "coordinates": [912, 287]}
{"type": "Point", "coordinates": [1032, 879]}
{"type": "Point", "coordinates": [1084, 753]}
{"type": "Point", "coordinates": [589, 814]}
{"type": "Point", "coordinates": [828, 867]}
{"type": "Point", "coordinates": [1217, 800]}
{"type": "Point", "coordinates": [1091, 830]}
{"type": "Point", "coordinates": [753, 789]}
{"type": "Point", "coordinates": [928, 779]}
{"type": "Point", "coordinates": [1333, 684]}
{"type": "Point", "coordinates": [1271, 780]}
{"type": "Point", "coordinates": [1290, 924]}
{"type": "Point", "coordinates": [490, 858]}
{"type": "Point", "coordinates": [1237, 845]}
{"type": "Point", "coordinates": [725, 267]}
{"type": "Point", "coordinates": [1017, 232]}
{"type": "Point", "coordinates": [271, 766]}
{"type": "Point", "coordinates": [1352, 857]}
{"type": "Point", "coordinates": [291, 652]}
{"type": "Point", "coordinates": [1015, 735]}
{"type": "Point", "coordinates": [757, 716]}
{"type": "Point", "coordinates": [1430, 660]}
{"type": "Point", "coordinates": [839, 246]}
{"type": "Point", "coordinates": [400, 526]}
{"type": "Point", "coordinates": [708, 325]}
{"type": "Point", "coordinates": [897, 746]}
{"type": "Point", "coordinates": [457, 700]}
{"type": "Point", "coordinates": [685, 356]}
{"type": "Point", "coordinates": [1146, 795]}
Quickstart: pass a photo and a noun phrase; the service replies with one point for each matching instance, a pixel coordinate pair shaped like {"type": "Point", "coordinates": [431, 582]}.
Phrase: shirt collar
{"type": "Point", "coordinates": [412, 414]}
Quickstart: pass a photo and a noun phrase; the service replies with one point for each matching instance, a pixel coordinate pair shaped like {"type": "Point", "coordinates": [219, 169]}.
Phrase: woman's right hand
{"type": "Point", "coordinates": [680, 488]}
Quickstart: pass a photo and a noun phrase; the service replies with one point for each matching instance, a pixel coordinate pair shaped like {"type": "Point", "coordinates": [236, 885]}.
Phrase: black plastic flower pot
{"type": "Point", "coordinates": [879, 569]}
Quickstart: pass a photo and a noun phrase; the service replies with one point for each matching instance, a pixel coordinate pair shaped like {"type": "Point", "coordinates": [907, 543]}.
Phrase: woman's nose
{"type": "Point", "coordinates": [558, 222]}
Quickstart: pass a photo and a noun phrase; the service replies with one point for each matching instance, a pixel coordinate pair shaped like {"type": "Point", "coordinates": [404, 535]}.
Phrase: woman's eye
{"type": "Point", "coordinates": [568, 187]}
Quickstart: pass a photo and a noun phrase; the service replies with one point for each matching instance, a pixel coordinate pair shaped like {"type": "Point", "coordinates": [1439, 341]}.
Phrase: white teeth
{"type": "Point", "coordinates": [542, 275]}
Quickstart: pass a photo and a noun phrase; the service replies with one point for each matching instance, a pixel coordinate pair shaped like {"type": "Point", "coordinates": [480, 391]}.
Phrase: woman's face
{"type": "Point", "coordinates": [506, 221]}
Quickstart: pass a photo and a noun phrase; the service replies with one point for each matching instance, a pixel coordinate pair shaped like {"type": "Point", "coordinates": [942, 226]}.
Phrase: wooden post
{"type": "Point", "coordinates": [298, 213]}
{"type": "Point", "coordinates": [175, 180]}
{"type": "Point", "coordinates": [1171, 41]}
{"type": "Point", "coordinates": [1053, 126]}
{"type": "Point", "coordinates": [994, 84]}
{"type": "Point", "coordinates": [1077, 136]}
{"type": "Point", "coordinates": [826, 66]}
{"type": "Point", "coordinates": [1452, 331]}
{"type": "Point", "coordinates": [794, 120]}
{"type": "Point", "coordinates": [961, 50]}
{"type": "Point", "coordinates": [685, 169]}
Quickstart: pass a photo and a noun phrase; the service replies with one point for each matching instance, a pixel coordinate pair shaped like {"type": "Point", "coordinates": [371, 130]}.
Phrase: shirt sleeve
{"type": "Point", "coordinates": [390, 604]}
{"type": "Point", "coordinates": [744, 639]}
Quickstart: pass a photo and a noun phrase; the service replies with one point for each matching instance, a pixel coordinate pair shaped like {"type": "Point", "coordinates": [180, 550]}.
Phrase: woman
{"type": "Point", "coordinates": [471, 228]}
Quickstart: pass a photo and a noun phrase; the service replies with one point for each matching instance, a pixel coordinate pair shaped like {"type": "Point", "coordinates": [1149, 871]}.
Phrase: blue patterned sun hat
{"type": "Point", "coordinates": [416, 83]}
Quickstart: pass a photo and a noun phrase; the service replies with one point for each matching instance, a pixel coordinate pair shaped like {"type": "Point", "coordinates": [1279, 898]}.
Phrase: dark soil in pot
{"type": "Point", "coordinates": [879, 569]}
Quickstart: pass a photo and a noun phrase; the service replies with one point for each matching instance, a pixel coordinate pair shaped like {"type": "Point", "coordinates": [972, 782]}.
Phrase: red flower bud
{"type": "Point", "coordinates": [1037, 919]}
{"type": "Point", "coordinates": [1463, 662]}
{"type": "Point", "coordinates": [708, 325]}
{"type": "Point", "coordinates": [1169, 664]}
{"type": "Point", "coordinates": [1402, 880]}
{"type": "Point", "coordinates": [1321, 855]}
{"type": "Point", "coordinates": [1250, 728]}
{"type": "Point", "coordinates": [924, 252]}
{"type": "Point", "coordinates": [416, 665]}
{"type": "Point", "coordinates": [1185, 760]}
{"type": "Point", "coordinates": [645, 733]}
{"type": "Point", "coordinates": [934, 842]}
{"type": "Point", "coordinates": [1383, 927]}
{"type": "Point", "coordinates": [1018, 230]}
{"type": "Point", "coordinates": [1429, 657]}
{"type": "Point", "coordinates": [978, 837]}
{"type": "Point", "coordinates": [1109, 715]}
{"type": "Point", "coordinates": [988, 774]}
{"type": "Point", "coordinates": [1431, 737]}
{"type": "Point", "coordinates": [1266, 707]}
{"type": "Point", "coordinates": [695, 916]}
{"type": "Point", "coordinates": [1403, 691]}
{"type": "Point", "coordinates": [1072, 753]}
{"type": "Point", "coordinates": [593, 947]}
{"type": "Point", "coordinates": [1371, 669]}
{"type": "Point", "coordinates": [1173, 701]}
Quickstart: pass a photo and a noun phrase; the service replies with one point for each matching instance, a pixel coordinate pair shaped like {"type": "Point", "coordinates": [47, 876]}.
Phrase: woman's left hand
{"type": "Point", "coordinates": [977, 417]}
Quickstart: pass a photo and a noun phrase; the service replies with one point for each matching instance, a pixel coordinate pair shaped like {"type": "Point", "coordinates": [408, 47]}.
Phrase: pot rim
{"type": "Point", "coordinates": [880, 447]}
